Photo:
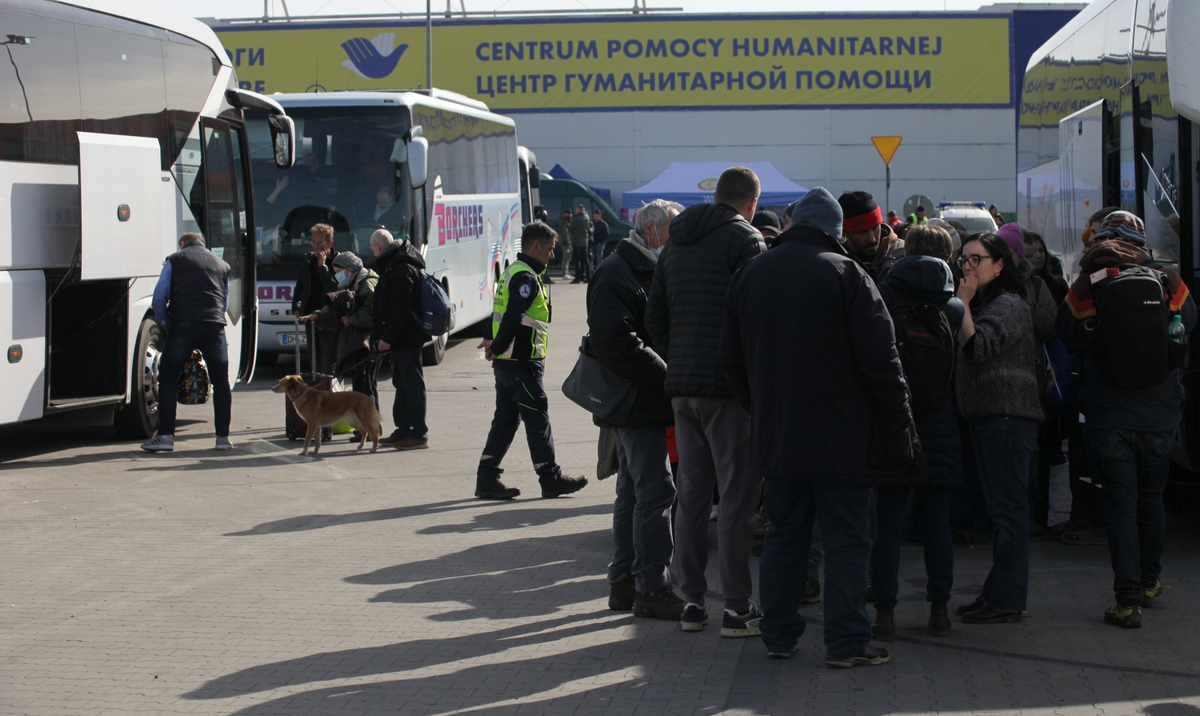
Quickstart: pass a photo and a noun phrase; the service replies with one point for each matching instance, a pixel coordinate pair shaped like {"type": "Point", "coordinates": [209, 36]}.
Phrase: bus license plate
{"type": "Point", "coordinates": [288, 339]}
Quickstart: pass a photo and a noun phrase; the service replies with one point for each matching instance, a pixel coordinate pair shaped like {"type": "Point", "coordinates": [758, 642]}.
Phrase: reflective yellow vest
{"type": "Point", "coordinates": [537, 318]}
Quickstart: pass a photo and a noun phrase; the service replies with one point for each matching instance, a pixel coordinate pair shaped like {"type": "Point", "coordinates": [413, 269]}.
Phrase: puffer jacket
{"type": "Point", "coordinates": [930, 279]}
{"type": "Point", "coordinates": [616, 305]}
{"type": "Point", "coordinates": [709, 243]}
{"type": "Point", "coordinates": [397, 296]}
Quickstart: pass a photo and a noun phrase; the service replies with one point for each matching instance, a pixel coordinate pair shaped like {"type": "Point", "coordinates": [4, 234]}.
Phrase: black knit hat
{"type": "Point", "coordinates": [857, 203]}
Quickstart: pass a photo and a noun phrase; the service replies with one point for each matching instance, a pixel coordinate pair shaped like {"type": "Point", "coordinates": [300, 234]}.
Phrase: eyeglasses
{"type": "Point", "coordinates": [973, 260]}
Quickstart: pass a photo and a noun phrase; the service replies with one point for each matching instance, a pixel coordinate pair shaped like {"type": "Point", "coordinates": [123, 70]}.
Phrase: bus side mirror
{"type": "Point", "coordinates": [418, 161]}
{"type": "Point", "coordinates": [283, 140]}
{"type": "Point", "coordinates": [535, 177]}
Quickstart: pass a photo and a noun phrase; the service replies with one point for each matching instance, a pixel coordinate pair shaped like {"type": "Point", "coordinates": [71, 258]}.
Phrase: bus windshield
{"type": "Point", "coordinates": [348, 175]}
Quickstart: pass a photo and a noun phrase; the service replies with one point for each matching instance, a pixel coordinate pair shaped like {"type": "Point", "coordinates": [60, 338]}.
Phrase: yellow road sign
{"type": "Point", "coordinates": [887, 146]}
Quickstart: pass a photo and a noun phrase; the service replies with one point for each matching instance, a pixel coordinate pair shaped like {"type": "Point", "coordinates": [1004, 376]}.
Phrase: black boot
{"type": "Point", "coordinates": [563, 485]}
{"type": "Point", "coordinates": [939, 619]}
{"type": "Point", "coordinates": [493, 489]}
{"type": "Point", "coordinates": [885, 624]}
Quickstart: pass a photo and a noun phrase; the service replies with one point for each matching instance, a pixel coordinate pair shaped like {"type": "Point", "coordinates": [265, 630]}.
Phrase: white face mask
{"type": "Point", "coordinates": [657, 251]}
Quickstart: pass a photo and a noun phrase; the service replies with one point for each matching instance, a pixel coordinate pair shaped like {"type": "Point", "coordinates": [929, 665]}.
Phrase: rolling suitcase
{"type": "Point", "coordinates": [294, 426]}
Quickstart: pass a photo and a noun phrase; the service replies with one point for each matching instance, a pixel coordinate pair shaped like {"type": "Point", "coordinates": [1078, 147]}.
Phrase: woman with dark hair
{"type": "Point", "coordinates": [999, 397]}
{"type": "Point", "coordinates": [1046, 266]}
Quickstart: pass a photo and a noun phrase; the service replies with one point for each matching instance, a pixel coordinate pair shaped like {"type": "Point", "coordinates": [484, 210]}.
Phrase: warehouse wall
{"type": "Point", "coordinates": [953, 154]}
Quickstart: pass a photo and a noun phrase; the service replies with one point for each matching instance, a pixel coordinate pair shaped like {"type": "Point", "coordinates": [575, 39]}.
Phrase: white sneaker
{"type": "Point", "coordinates": [223, 444]}
{"type": "Point", "coordinates": [160, 443]}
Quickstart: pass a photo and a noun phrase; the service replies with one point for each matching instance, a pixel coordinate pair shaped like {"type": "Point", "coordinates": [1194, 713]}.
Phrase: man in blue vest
{"type": "Point", "coordinates": [520, 324]}
{"type": "Point", "coordinates": [190, 303]}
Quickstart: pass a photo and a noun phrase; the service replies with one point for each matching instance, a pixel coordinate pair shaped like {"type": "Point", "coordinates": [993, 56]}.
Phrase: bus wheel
{"type": "Point", "coordinates": [435, 350]}
{"type": "Point", "coordinates": [138, 419]}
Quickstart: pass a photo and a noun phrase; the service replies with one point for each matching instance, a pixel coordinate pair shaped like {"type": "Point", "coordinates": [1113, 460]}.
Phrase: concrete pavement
{"type": "Point", "coordinates": [258, 582]}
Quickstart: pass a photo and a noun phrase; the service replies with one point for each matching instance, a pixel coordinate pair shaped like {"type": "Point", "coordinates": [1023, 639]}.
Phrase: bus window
{"type": "Point", "coordinates": [39, 122]}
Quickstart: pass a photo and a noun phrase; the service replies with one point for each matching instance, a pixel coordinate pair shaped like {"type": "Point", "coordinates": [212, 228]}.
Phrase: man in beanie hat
{"type": "Point", "coordinates": [349, 313]}
{"type": "Point", "coordinates": [830, 373]}
{"type": "Point", "coordinates": [864, 235]}
{"type": "Point", "coordinates": [1130, 431]}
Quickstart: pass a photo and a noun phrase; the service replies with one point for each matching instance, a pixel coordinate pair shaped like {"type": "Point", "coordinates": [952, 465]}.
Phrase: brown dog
{"type": "Point", "coordinates": [324, 407]}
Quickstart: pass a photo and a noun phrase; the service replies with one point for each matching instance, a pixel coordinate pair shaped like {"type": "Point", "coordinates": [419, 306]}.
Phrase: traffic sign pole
{"type": "Point", "coordinates": [887, 146]}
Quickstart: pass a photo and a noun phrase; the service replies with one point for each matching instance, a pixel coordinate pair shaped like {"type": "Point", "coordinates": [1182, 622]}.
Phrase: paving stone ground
{"type": "Point", "coordinates": [259, 582]}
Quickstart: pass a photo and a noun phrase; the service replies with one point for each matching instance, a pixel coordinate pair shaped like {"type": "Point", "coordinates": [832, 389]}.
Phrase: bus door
{"type": "Point", "coordinates": [224, 221]}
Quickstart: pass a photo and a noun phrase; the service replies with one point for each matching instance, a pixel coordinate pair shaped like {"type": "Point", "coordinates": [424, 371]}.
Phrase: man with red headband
{"type": "Point", "coordinates": [865, 237]}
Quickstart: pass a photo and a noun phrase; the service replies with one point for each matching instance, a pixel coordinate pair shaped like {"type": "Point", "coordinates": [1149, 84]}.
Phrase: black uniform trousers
{"type": "Point", "coordinates": [520, 395]}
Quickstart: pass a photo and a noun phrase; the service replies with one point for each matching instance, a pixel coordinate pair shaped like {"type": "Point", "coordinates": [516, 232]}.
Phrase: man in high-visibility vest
{"type": "Point", "coordinates": [517, 350]}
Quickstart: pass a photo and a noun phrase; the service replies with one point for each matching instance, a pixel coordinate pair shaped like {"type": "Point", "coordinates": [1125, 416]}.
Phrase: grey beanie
{"type": "Point", "coordinates": [348, 260]}
{"type": "Point", "coordinates": [819, 210]}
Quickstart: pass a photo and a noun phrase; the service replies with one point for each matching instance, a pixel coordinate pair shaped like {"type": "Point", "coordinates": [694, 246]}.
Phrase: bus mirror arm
{"type": "Point", "coordinates": [418, 161]}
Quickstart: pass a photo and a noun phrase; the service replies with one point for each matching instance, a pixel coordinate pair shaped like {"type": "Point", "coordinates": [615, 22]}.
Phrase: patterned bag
{"type": "Point", "coordinates": [193, 385]}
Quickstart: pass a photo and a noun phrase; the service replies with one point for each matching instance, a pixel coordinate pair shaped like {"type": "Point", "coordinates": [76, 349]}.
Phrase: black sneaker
{"type": "Point", "coordinates": [621, 593]}
{"type": "Point", "coordinates": [812, 591]}
{"type": "Point", "coordinates": [495, 490]}
{"type": "Point", "coordinates": [968, 608]}
{"type": "Point", "coordinates": [659, 604]}
{"type": "Point", "coordinates": [991, 615]}
{"type": "Point", "coordinates": [1128, 616]}
{"type": "Point", "coordinates": [563, 486]}
{"type": "Point", "coordinates": [1149, 594]}
{"type": "Point", "coordinates": [868, 656]}
{"type": "Point", "coordinates": [884, 628]}
{"type": "Point", "coordinates": [735, 626]}
{"type": "Point", "coordinates": [694, 617]}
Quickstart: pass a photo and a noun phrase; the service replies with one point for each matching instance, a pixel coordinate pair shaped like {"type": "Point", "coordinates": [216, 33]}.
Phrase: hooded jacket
{"type": "Point", "coordinates": [397, 296]}
{"type": "Point", "coordinates": [824, 382]}
{"type": "Point", "coordinates": [1148, 409]}
{"type": "Point", "coordinates": [930, 279]}
{"type": "Point", "coordinates": [709, 243]}
{"type": "Point", "coordinates": [616, 305]}
{"type": "Point", "coordinates": [357, 305]}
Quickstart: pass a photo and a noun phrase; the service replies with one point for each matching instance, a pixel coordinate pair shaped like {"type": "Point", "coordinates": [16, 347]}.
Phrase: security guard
{"type": "Point", "coordinates": [520, 322]}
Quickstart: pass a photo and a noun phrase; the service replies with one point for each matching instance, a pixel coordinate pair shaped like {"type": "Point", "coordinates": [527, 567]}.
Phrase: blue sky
{"type": "Point", "coordinates": [244, 8]}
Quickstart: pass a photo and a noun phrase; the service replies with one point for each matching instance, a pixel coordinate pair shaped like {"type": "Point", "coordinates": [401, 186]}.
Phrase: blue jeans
{"type": "Point", "coordinates": [642, 541]}
{"type": "Point", "coordinates": [842, 513]}
{"type": "Point", "coordinates": [1134, 465]}
{"type": "Point", "coordinates": [1003, 448]}
{"type": "Point", "coordinates": [182, 339]}
{"type": "Point", "coordinates": [933, 515]}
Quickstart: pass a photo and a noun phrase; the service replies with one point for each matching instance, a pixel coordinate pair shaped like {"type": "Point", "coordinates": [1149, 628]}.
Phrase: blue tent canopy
{"type": "Point", "coordinates": [559, 173]}
{"type": "Point", "coordinates": [694, 182]}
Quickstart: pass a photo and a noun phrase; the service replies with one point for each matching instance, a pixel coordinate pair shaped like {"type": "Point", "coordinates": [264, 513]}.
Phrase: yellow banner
{"type": "Point", "coordinates": [645, 63]}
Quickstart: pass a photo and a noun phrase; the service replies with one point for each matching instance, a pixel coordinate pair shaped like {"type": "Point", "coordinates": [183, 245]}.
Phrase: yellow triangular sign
{"type": "Point", "coordinates": [887, 146]}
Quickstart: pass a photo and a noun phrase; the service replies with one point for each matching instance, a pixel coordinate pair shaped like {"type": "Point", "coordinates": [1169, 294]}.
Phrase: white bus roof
{"type": "Point", "coordinates": [395, 98]}
{"type": "Point", "coordinates": [1084, 17]}
{"type": "Point", "coordinates": [159, 17]}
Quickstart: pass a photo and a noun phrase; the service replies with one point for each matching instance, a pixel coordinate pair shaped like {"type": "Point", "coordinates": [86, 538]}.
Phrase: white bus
{"type": "Point", "coordinates": [120, 130]}
{"type": "Point", "coordinates": [437, 168]}
{"type": "Point", "coordinates": [1110, 116]}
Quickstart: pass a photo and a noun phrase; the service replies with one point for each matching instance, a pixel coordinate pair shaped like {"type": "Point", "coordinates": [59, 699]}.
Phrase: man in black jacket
{"type": "Point", "coordinates": [190, 302]}
{"type": "Point", "coordinates": [399, 265]}
{"type": "Point", "coordinates": [317, 279]}
{"type": "Point", "coordinates": [709, 242]}
{"type": "Point", "coordinates": [809, 350]}
{"type": "Point", "coordinates": [616, 303]}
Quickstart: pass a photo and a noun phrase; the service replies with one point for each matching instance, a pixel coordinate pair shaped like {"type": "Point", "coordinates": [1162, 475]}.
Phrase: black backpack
{"type": "Point", "coordinates": [1128, 338]}
{"type": "Point", "coordinates": [927, 350]}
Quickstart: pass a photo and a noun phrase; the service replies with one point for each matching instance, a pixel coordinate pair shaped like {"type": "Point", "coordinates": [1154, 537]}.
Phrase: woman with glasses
{"type": "Point", "coordinates": [997, 389]}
